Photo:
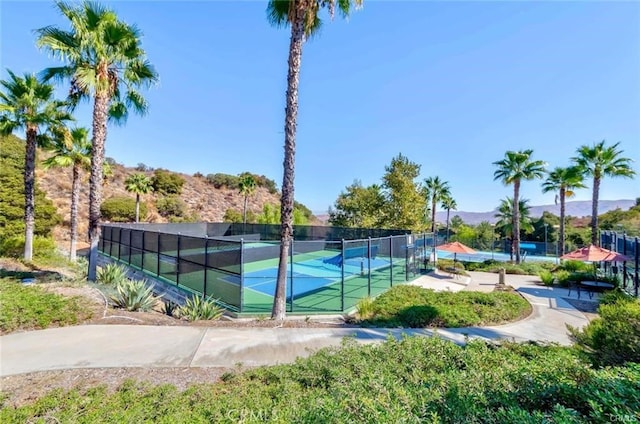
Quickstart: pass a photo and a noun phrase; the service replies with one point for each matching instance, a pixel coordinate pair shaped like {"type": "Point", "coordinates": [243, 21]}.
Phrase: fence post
{"type": "Point", "coordinates": [342, 279]}
{"type": "Point", "coordinates": [291, 277]}
{"type": "Point", "coordinates": [624, 264]}
{"type": "Point", "coordinates": [391, 260]}
{"type": "Point", "coordinates": [241, 305]}
{"type": "Point", "coordinates": [406, 257]}
{"type": "Point", "coordinates": [369, 266]}
{"type": "Point", "coordinates": [206, 263]}
{"type": "Point", "coordinates": [178, 263]}
{"type": "Point", "coordinates": [141, 250]}
{"type": "Point", "coordinates": [158, 256]}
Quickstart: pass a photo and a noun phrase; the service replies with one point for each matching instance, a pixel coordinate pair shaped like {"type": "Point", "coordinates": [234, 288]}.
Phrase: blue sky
{"type": "Point", "coordinates": [451, 85]}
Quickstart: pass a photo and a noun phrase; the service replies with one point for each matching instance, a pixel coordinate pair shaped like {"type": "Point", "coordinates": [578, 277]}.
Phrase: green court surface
{"type": "Point", "coordinates": [333, 297]}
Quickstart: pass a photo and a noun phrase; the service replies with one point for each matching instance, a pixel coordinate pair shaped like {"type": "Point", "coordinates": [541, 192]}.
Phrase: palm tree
{"type": "Point", "coordinates": [505, 216]}
{"type": "Point", "coordinates": [448, 203]}
{"type": "Point", "coordinates": [247, 187]}
{"type": "Point", "coordinates": [302, 17]}
{"type": "Point", "coordinates": [515, 167]}
{"type": "Point", "coordinates": [138, 184]}
{"type": "Point", "coordinates": [563, 181]}
{"type": "Point", "coordinates": [437, 190]}
{"type": "Point", "coordinates": [600, 161]}
{"type": "Point", "coordinates": [75, 151]}
{"type": "Point", "coordinates": [104, 61]}
{"type": "Point", "coordinates": [28, 104]}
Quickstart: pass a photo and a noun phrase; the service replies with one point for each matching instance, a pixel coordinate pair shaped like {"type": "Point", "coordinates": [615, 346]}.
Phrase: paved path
{"type": "Point", "coordinates": [96, 346]}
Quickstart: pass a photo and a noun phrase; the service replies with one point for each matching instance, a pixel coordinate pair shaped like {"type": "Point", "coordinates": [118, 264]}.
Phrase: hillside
{"type": "Point", "coordinates": [580, 208]}
{"type": "Point", "coordinates": [202, 198]}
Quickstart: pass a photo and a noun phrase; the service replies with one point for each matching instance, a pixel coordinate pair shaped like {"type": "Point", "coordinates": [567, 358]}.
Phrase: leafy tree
{"type": "Point", "coordinates": [138, 184]}
{"type": "Point", "coordinates": [232, 215]}
{"type": "Point", "coordinates": [515, 167]}
{"type": "Point", "coordinates": [405, 200]}
{"type": "Point", "coordinates": [12, 225]}
{"type": "Point", "coordinates": [247, 187]}
{"type": "Point", "coordinates": [171, 206]}
{"type": "Point", "coordinates": [436, 190]}
{"type": "Point", "coordinates": [26, 103]}
{"type": "Point", "coordinates": [505, 224]}
{"type": "Point", "coordinates": [223, 180]}
{"type": "Point", "coordinates": [271, 215]}
{"type": "Point", "coordinates": [74, 150]}
{"type": "Point", "coordinates": [166, 182]}
{"type": "Point", "coordinates": [141, 167]}
{"type": "Point", "coordinates": [599, 161]}
{"type": "Point", "coordinates": [456, 222]}
{"type": "Point", "coordinates": [104, 61]}
{"type": "Point", "coordinates": [448, 203]}
{"type": "Point", "coordinates": [303, 18]}
{"type": "Point", "coordinates": [563, 181]}
{"type": "Point", "coordinates": [120, 209]}
{"type": "Point", "coordinates": [358, 206]}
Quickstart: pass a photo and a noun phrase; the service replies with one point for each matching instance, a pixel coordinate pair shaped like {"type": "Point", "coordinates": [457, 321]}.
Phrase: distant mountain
{"type": "Point", "coordinates": [579, 208]}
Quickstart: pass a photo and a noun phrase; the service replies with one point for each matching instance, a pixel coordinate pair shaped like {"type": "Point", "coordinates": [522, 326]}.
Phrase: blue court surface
{"type": "Point", "coordinates": [481, 256]}
{"type": "Point", "coordinates": [308, 276]}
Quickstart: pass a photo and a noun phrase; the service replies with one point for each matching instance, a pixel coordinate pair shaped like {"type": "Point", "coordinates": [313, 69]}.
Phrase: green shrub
{"type": "Point", "coordinates": [111, 274]}
{"type": "Point", "coordinates": [133, 295]}
{"type": "Point", "coordinates": [121, 209]}
{"type": "Point", "coordinates": [563, 278]}
{"type": "Point", "coordinates": [576, 266]}
{"type": "Point", "coordinates": [546, 277]}
{"type": "Point", "coordinates": [197, 308]}
{"type": "Point", "coordinates": [165, 182]}
{"type": "Point", "coordinates": [615, 296]}
{"type": "Point", "coordinates": [364, 307]}
{"type": "Point", "coordinates": [614, 337]}
{"type": "Point", "coordinates": [412, 306]}
{"type": "Point", "coordinates": [171, 206]}
{"type": "Point", "coordinates": [30, 307]}
{"type": "Point", "coordinates": [223, 180]}
{"type": "Point", "coordinates": [43, 247]}
{"type": "Point", "coordinates": [413, 380]}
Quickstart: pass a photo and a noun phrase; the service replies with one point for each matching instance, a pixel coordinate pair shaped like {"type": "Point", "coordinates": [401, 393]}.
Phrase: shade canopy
{"type": "Point", "coordinates": [456, 247]}
{"type": "Point", "coordinates": [593, 253]}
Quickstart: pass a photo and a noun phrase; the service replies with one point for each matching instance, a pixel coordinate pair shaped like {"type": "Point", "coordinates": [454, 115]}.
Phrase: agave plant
{"type": "Point", "coordinates": [170, 308]}
{"type": "Point", "coordinates": [112, 274]}
{"type": "Point", "coordinates": [197, 308]}
{"type": "Point", "coordinates": [133, 295]}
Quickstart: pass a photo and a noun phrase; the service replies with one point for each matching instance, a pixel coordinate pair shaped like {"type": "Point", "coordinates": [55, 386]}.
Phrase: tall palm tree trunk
{"type": "Point", "coordinates": [448, 211]}
{"type": "Point", "coordinates": [516, 220]}
{"type": "Point", "coordinates": [562, 213]}
{"type": "Point", "coordinates": [29, 191]}
{"type": "Point", "coordinates": [594, 212]}
{"type": "Point", "coordinates": [75, 199]}
{"type": "Point", "coordinates": [244, 210]}
{"type": "Point", "coordinates": [291, 115]}
{"type": "Point", "coordinates": [100, 115]}
{"type": "Point", "coordinates": [137, 207]}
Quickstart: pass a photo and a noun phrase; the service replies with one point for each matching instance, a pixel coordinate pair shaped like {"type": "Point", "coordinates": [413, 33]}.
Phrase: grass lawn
{"type": "Point", "coordinates": [412, 306]}
{"type": "Point", "coordinates": [30, 307]}
{"type": "Point", "coordinates": [413, 380]}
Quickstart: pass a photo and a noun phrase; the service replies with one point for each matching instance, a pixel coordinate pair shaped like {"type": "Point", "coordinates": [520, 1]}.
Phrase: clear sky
{"type": "Point", "coordinates": [451, 85]}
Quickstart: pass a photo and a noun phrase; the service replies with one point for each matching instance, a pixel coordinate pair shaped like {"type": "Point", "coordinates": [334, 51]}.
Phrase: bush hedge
{"type": "Point", "coordinates": [121, 209]}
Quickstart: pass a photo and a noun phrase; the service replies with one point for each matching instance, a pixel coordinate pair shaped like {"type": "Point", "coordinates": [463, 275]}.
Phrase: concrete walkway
{"type": "Point", "coordinates": [97, 346]}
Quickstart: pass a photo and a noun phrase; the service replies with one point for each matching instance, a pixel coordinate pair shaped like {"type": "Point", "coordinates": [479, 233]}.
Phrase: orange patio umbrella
{"type": "Point", "coordinates": [455, 248]}
{"type": "Point", "coordinates": [594, 253]}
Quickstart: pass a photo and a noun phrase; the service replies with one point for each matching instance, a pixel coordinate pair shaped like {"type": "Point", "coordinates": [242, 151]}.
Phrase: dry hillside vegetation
{"type": "Point", "coordinates": [202, 198]}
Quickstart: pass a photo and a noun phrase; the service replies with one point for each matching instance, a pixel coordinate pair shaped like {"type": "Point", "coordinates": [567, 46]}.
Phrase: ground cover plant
{"type": "Point", "coordinates": [524, 268]}
{"type": "Point", "coordinates": [411, 380]}
{"type": "Point", "coordinates": [412, 306]}
{"type": "Point", "coordinates": [30, 307]}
